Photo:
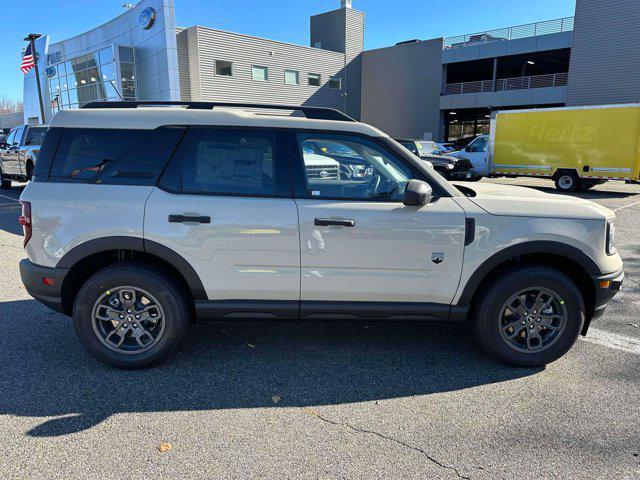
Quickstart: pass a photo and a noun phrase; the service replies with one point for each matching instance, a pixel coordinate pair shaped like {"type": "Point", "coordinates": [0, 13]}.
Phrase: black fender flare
{"type": "Point", "coordinates": [137, 244]}
{"type": "Point", "coordinates": [534, 247]}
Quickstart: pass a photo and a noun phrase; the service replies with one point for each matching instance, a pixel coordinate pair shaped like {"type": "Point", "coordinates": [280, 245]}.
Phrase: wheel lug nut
{"type": "Point", "coordinates": [523, 322]}
{"type": "Point", "coordinates": [121, 316]}
{"type": "Point", "coordinates": [526, 313]}
{"type": "Point", "coordinates": [138, 316]}
{"type": "Point", "coordinates": [537, 319]}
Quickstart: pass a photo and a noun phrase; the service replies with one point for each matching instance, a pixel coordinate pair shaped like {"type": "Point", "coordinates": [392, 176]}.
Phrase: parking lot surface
{"type": "Point", "coordinates": [321, 400]}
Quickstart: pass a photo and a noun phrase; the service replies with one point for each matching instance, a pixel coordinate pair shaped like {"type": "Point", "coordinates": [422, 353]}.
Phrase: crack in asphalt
{"type": "Point", "coordinates": [314, 413]}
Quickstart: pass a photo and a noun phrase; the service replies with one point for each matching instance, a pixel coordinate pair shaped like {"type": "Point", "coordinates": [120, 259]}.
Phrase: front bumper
{"type": "Point", "coordinates": [33, 280]}
{"type": "Point", "coordinates": [606, 287]}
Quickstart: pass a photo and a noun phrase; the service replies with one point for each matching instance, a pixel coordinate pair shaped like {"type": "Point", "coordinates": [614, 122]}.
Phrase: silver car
{"type": "Point", "coordinates": [142, 218]}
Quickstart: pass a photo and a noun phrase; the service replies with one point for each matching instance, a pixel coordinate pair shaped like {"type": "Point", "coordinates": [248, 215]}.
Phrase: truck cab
{"type": "Point", "coordinates": [476, 153]}
{"type": "Point", "coordinates": [18, 153]}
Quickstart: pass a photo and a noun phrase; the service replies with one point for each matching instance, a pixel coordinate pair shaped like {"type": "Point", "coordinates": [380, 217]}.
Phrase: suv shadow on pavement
{"type": "Point", "coordinates": [227, 365]}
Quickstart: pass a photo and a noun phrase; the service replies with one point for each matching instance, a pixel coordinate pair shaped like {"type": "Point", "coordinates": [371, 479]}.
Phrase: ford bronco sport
{"type": "Point", "coordinates": [142, 218]}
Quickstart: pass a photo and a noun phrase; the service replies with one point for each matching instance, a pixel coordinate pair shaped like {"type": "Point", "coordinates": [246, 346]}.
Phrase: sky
{"type": "Point", "coordinates": [387, 21]}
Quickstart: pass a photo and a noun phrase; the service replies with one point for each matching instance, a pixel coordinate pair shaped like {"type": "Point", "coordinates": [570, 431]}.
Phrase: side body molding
{"type": "Point", "coordinates": [136, 244]}
{"type": "Point", "coordinates": [536, 247]}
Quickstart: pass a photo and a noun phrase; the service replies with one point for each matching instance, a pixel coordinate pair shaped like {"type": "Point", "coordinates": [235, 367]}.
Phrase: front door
{"type": "Point", "coordinates": [359, 242]}
{"type": "Point", "coordinates": [476, 152]}
{"type": "Point", "coordinates": [225, 205]}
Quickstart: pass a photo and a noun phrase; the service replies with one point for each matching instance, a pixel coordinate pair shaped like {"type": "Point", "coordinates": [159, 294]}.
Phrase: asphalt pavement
{"type": "Point", "coordinates": [320, 400]}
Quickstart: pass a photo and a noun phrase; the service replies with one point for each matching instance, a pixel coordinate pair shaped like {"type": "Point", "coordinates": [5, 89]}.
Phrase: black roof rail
{"type": "Point", "coordinates": [314, 113]}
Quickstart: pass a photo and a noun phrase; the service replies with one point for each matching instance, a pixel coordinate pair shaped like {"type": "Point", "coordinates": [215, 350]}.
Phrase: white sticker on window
{"type": "Point", "coordinates": [315, 193]}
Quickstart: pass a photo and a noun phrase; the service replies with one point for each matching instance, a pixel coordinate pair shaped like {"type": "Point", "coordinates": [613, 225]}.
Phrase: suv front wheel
{"type": "Point", "coordinates": [131, 316]}
{"type": "Point", "coordinates": [530, 316]}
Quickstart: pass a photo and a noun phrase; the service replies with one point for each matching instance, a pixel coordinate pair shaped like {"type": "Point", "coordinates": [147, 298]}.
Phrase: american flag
{"type": "Point", "coordinates": [27, 60]}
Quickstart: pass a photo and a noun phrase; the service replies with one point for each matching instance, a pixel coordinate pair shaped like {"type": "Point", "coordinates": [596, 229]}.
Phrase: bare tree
{"type": "Point", "coordinates": [8, 105]}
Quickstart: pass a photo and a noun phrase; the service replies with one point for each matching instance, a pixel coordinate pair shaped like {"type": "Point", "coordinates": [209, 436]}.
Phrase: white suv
{"type": "Point", "coordinates": [143, 218]}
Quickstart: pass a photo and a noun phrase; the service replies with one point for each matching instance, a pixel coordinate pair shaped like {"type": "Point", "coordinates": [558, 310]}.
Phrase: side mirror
{"type": "Point", "coordinates": [417, 193]}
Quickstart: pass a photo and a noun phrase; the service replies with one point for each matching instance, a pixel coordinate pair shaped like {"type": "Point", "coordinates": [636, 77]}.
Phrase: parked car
{"type": "Point", "coordinates": [446, 148]}
{"type": "Point", "coordinates": [18, 153]}
{"type": "Point", "coordinates": [140, 220]}
{"type": "Point", "coordinates": [449, 167]}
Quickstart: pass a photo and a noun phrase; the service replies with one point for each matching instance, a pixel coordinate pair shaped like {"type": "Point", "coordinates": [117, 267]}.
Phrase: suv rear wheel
{"type": "Point", "coordinates": [529, 317]}
{"type": "Point", "coordinates": [131, 316]}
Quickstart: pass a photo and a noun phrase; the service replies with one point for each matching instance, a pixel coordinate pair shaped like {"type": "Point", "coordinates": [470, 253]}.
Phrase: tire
{"type": "Point", "coordinates": [29, 171]}
{"type": "Point", "coordinates": [170, 323]}
{"type": "Point", "coordinates": [4, 183]}
{"type": "Point", "coordinates": [567, 181]}
{"type": "Point", "coordinates": [489, 323]}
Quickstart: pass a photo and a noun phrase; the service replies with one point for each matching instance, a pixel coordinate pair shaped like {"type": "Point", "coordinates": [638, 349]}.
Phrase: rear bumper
{"type": "Point", "coordinates": [33, 280]}
{"type": "Point", "coordinates": [606, 287]}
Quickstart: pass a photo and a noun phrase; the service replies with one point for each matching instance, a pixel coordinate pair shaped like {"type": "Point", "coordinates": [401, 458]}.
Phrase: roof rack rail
{"type": "Point", "coordinates": [314, 113]}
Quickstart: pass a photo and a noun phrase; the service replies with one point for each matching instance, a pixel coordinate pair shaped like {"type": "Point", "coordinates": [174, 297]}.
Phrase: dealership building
{"type": "Point", "coordinates": [441, 88]}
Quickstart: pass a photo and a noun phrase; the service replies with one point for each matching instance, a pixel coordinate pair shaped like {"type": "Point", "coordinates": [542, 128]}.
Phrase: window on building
{"type": "Point", "coordinates": [291, 77]}
{"type": "Point", "coordinates": [335, 83]}
{"type": "Point", "coordinates": [314, 79]}
{"type": "Point", "coordinates": [260, 74]}
{"type": "Point", "coordinates": [224, 68]}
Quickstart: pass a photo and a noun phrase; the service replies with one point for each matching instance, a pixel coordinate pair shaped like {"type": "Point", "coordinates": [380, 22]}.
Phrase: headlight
{"type": "Point", "coordinates": [611, 238]}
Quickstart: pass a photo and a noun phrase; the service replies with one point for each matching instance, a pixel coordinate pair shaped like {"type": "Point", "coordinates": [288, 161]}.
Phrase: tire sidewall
{"type": "Point", "coordinates": [574, 182]}
{"type": "Point", "coordinates": [173, 304]}
{"type": "Point", "coordinates": [488, 321]}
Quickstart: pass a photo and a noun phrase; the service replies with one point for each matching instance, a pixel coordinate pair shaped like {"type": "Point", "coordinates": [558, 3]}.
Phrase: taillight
{"type": "Point", "coordinates": [25, 220]}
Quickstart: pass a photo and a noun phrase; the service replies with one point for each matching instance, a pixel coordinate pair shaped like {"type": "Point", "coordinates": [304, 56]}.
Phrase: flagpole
{"type": "Point", "coordinates": [32, 39]}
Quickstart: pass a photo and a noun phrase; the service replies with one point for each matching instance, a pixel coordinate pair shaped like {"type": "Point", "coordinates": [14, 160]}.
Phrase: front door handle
{"type": "Point", "coordinates": [189, 218]}
{"type": "Point", "coordinates": [325, 222]}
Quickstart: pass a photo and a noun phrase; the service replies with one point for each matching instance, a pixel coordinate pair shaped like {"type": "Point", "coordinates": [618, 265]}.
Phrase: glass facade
{"type": "Point", "coordinates": [92, 77]}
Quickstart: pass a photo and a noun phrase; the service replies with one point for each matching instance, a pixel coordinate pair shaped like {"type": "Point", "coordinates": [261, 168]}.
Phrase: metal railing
{"type": "Point", "coordinates": [511, 33]}
{"type": "Point", "coordinates": [504, 84]}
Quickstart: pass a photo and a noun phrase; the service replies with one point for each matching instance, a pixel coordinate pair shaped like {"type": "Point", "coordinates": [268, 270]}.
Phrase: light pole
{"type": "Point", "coordinates": [31, 38]}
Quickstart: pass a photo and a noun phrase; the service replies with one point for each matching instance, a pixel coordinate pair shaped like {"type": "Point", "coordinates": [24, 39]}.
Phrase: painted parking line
{"type": "Point", "coordinates": [627, 206]}
{"type": "Point", "coordinates": [613, 340]}
{"type": "Point", "coordinates": [10, 198]}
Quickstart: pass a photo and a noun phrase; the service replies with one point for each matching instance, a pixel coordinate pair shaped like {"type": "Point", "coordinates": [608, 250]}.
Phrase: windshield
{"type": "Point", "coordinates": [35, 135]}
{"type": "Point", "coordinates": [427, 148]}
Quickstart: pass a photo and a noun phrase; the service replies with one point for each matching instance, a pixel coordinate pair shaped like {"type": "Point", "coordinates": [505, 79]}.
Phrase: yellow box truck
{"type": "Point", "coordinates": [577, 147]}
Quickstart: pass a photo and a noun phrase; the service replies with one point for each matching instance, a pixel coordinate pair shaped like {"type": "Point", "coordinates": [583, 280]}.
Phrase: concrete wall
{"type": "Point", "coordinates": [205, 45]}
{"type": "Point", "coordinates": [605, 57]}
{"type": "Point", "coordinates": [342, 31]}
{"type": "Point", "coordinates": [540, 43]}
{"type": "Point", "coordinates": [401, 89]}
{"type": "Point", "coordinates": [10, 120]}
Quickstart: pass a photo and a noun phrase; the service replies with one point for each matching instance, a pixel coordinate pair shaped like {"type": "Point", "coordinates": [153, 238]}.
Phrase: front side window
{"type": "Point", "coordinates": [478, 145]}
{"type": "Point", "coordinates": [291, 77]}
{"type": "Point", "coordinates": [228, 162]}
{"type": "Point", "coordinates": [259, 74]}
{"type": "Point", "coordinates": [335, 83]}
{"type": "Point", "coordinates": [224, 68]}
{"type": "Point", "coordinates": [346, 167]}
{"type": "Point", "coordinates": [314, 79]}
{"type": "Point", "coordinates": [113, 156]}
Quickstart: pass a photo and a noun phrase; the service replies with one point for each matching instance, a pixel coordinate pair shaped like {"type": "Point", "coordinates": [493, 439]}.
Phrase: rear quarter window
{"type": "Point", "coordinates": [113, 156]}
{"type": "Point", "coordinates": [46, 154]}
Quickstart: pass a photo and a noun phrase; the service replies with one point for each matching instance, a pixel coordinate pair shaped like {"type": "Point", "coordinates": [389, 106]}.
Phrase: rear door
{"type": "Point", "coordinates": [360, 244]}
{"type": "Point", "coordinates": [225, 205]}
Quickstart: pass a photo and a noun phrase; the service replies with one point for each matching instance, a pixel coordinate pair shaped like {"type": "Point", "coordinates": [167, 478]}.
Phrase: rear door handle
{"type": "Point", "coordinates": [325, 222]}
{"type": "Point", "coordinates": [189, 218]}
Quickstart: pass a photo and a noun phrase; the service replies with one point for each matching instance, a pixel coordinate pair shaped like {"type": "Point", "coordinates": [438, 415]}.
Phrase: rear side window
{"type": "Point", "coordinates": [113, 156]}
{"type": "Point", "coordinates": [229, 162]}
{"type": "Point", "coordinates": [35, 135]}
